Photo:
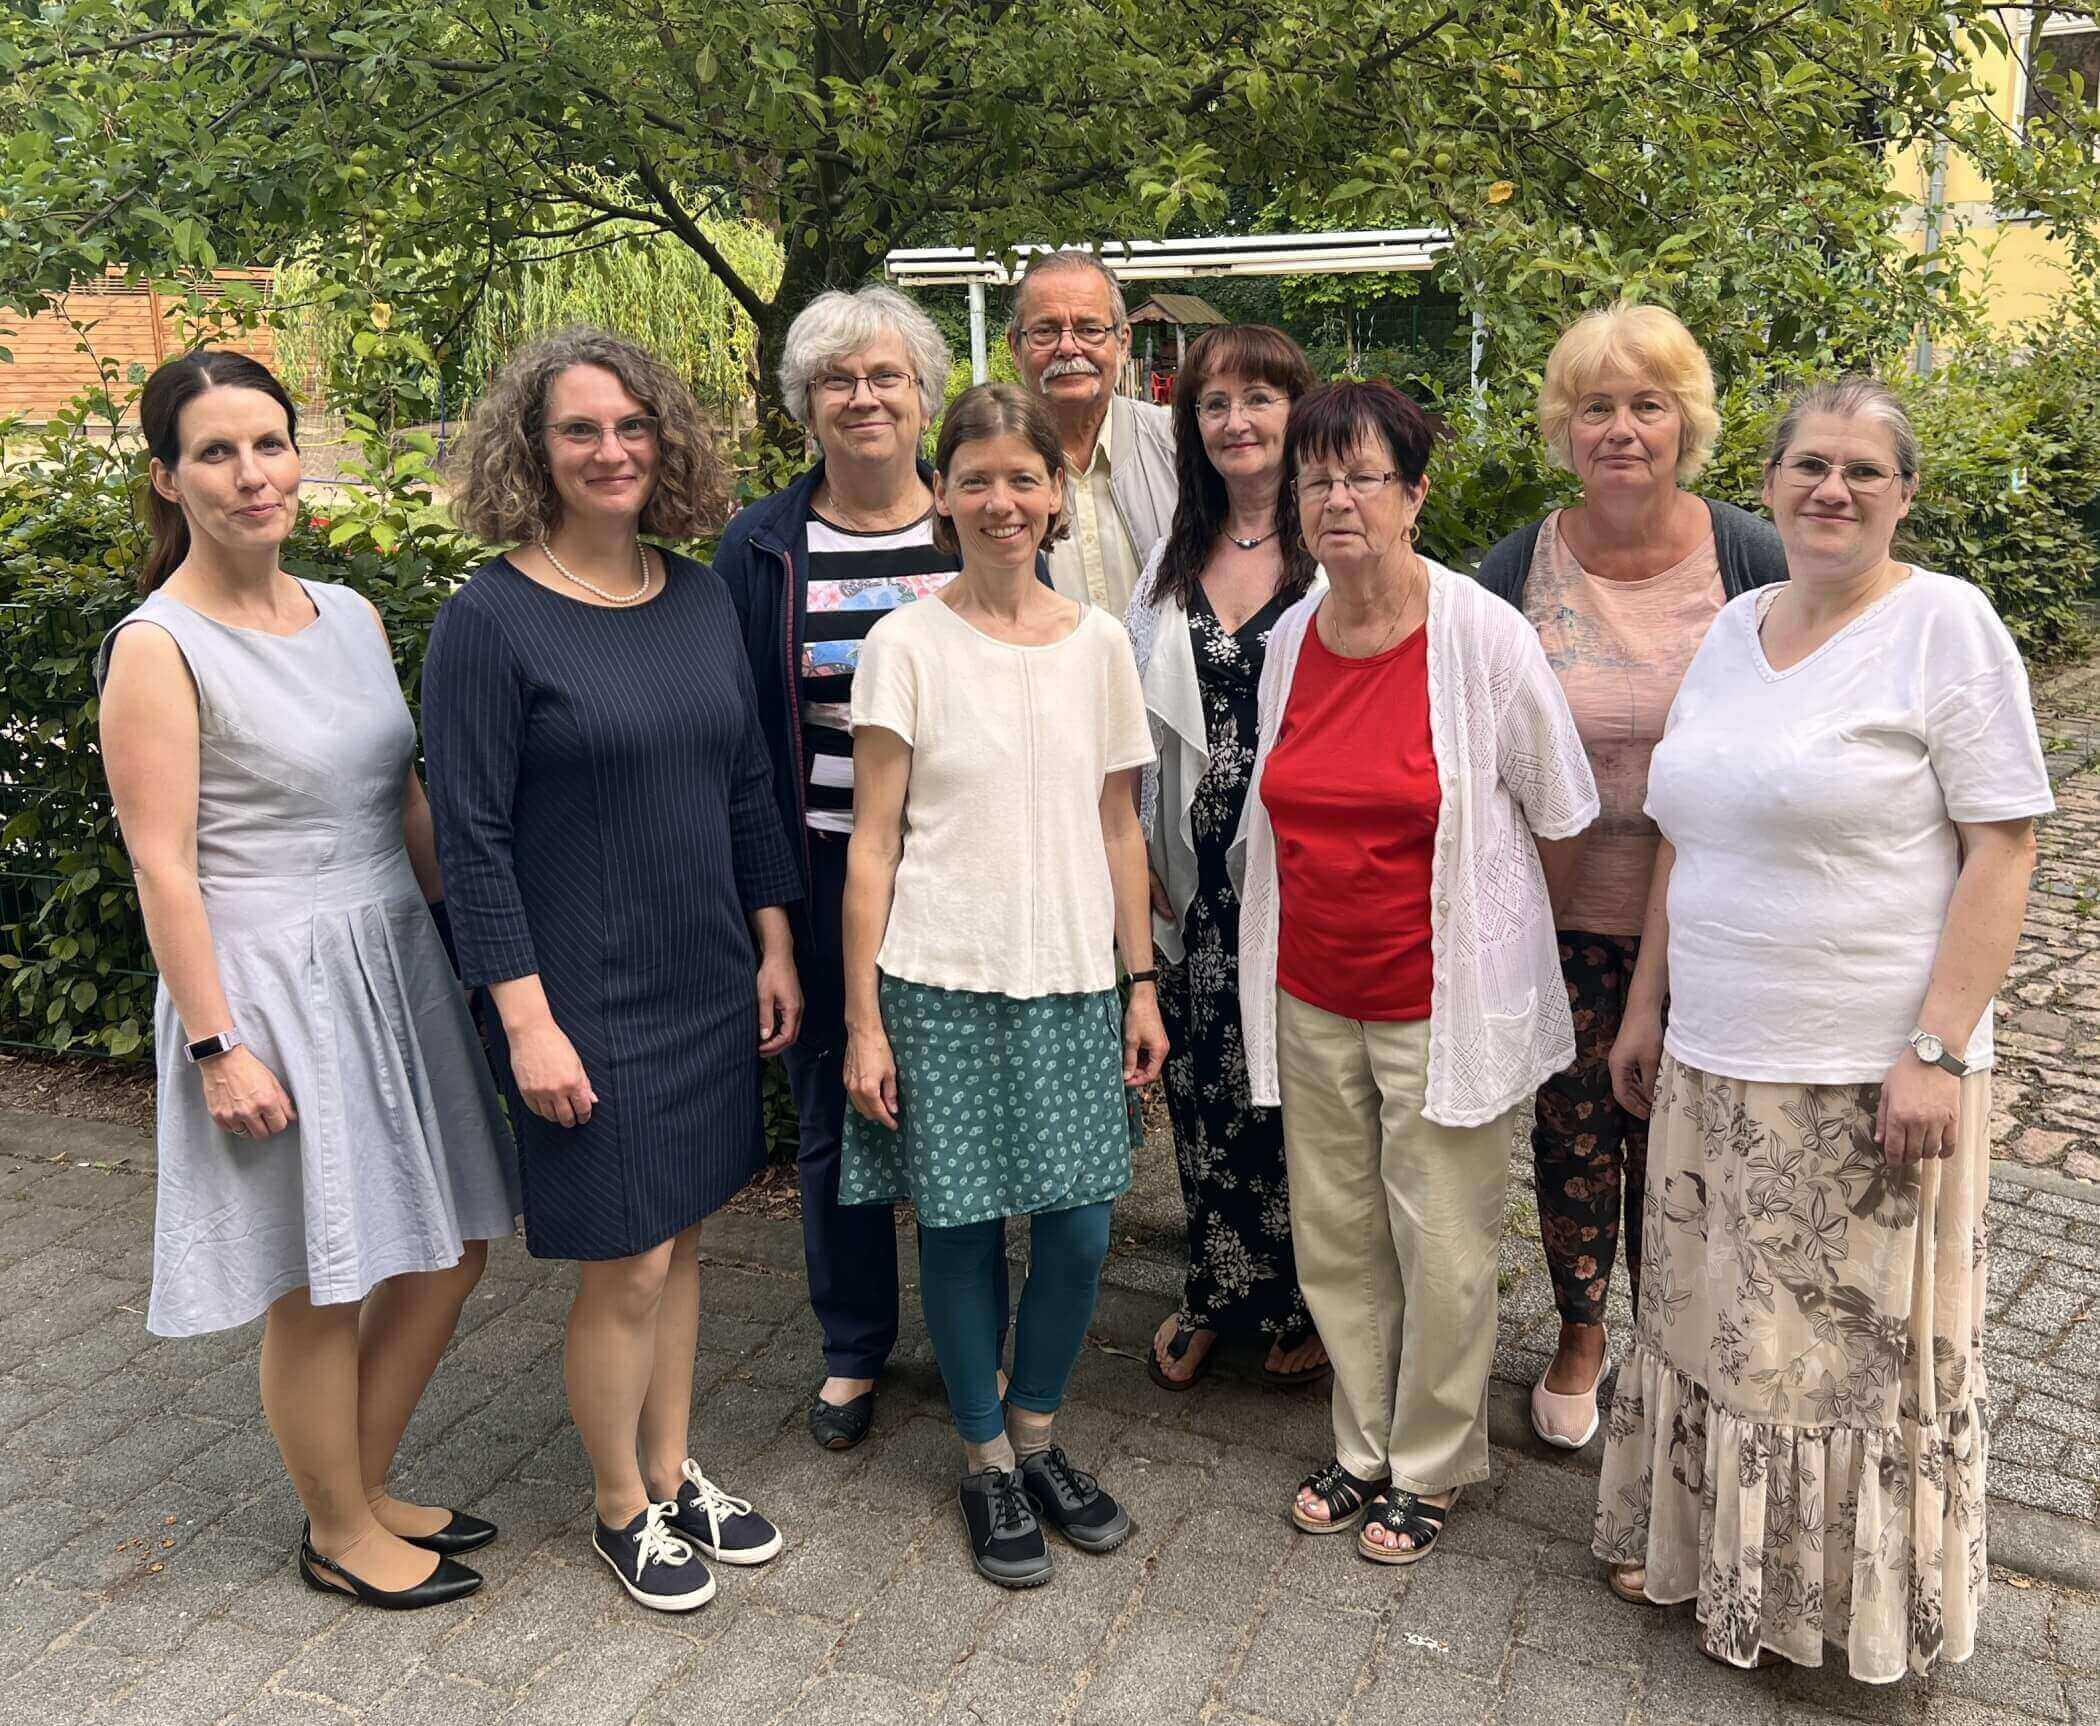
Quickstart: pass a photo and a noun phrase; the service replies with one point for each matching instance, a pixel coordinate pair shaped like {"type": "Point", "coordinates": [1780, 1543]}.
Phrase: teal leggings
{"type": "Point", "coordinates": [959, 1285]}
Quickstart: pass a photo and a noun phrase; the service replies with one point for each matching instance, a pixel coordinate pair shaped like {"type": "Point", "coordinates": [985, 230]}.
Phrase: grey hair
{"type": "Point", "coordinates": [1050, 263]}
{"type": "Point", "coordinates": [1854, 397]}
{"type": "Point", "coordinates": [837, 323]}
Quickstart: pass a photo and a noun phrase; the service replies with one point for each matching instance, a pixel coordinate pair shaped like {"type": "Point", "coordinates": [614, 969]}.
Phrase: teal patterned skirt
{"type": "Point", "coordinates": [1005, 1107]}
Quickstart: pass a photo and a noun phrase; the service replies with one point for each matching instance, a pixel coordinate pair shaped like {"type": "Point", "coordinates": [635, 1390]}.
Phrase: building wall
{"type": "Point", "coordinates": [2006, 257]}
{"type": "Point", "coordinates": [132, 325]}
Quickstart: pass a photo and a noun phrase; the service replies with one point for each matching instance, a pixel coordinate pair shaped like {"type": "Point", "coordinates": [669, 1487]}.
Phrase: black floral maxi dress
{"type": "Point", "coordinates": [1242, 1278]}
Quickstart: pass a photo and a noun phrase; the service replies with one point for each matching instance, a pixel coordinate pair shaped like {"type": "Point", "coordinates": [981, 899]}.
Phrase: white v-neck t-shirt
{"type": "Point", "coordinates": [1813, 813]}
{"type": "Point", "coordinates": [1003, 887]}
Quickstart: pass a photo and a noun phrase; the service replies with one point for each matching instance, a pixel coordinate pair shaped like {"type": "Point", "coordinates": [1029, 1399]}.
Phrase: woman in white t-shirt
{"type": "Point", "coordinates": [1846, 790]}
{"type": "Point", "coordinates": [996, 865]}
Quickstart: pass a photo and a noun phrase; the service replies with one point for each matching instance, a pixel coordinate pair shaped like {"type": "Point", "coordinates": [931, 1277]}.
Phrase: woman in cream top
{"type": "Point", "coordinates": [996, 865]}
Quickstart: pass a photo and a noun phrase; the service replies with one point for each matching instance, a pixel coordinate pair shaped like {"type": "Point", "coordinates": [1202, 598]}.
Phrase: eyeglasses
{"type": "Point", "coordinates": [1862, 478]}
{"type": "Point", "coordinates": [636, 431]}
{"type": "Point", "coordinates": [885, 385]}
{"type": "Point", "coordinates": [1088, 333]}
{"type": "Point", "coordinates": [1217, 409]}
{"type": "Point", "coordinates": [1314, 488]}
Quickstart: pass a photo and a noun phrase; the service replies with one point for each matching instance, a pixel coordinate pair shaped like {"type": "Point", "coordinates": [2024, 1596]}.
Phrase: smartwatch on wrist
{"type": "Point", "coordinates": [1145, 976]}
{"type": "Point", "coordinates": [218, 1043]}
{"type": "Point", "coordinates": [1933, 1053]}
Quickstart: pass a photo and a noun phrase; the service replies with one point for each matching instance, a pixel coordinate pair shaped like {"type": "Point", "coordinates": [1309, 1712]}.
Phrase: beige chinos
{"type": "Point", "coordinates": [1396, 1222]}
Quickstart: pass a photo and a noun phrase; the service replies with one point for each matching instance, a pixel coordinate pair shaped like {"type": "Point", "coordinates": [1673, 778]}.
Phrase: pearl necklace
{"type": "Point", "coordinates": [1251, 544]}
{"type": "Point", "coordinates": [567, 574]}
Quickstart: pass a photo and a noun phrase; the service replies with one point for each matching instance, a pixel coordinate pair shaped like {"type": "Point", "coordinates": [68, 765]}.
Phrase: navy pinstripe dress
{"type": "Point", "coordinates": [605, 817]}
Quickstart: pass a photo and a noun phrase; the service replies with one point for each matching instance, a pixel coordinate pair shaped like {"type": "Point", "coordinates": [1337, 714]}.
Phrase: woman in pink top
{"type": "Point", "coordinates": [1621, 587]}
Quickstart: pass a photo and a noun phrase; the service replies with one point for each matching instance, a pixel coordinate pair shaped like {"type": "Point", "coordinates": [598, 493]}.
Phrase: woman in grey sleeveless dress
{"type": "Point", "coordinates": [331, 1148]}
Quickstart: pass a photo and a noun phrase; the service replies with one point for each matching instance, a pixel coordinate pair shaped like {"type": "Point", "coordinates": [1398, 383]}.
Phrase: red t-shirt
{"type": "Point", "coordinates": [1352, 792]}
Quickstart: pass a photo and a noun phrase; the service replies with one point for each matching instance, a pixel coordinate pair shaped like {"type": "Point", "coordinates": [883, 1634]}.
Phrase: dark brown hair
{"type": "Point", "coordinates": [168, 391]}
{"type": "Point", "coordinates": [1259, 354]}
{"type": "Point", "coordinates": [986, 411]}
{"type": "Point", "coordinates": [1332, 420]}
{"type": "Point", "coordinates": [502, 490]}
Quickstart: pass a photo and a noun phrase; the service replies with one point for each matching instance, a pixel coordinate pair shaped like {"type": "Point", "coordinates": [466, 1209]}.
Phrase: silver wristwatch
{"type": "Point", "coordinates": [1933, 1053]}
{"type": "Point", "coordinates": [218, 1043]}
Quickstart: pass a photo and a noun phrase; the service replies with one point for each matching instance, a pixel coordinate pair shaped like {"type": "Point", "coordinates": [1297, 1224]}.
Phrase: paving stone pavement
{"type": "Point", "coordinates": [2046, 1092]}
{"type": "Point", "coordinates": [146, 1528]}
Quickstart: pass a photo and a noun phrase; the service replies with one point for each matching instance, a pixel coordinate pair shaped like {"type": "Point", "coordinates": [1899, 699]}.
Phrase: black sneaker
{"type": "Point", "coordinates": [1006, 1540]}
{"type": "Point", "coordinates": [654, 1565]}
{"type": "Point", "coordinates": [727, 1529]}
{"type": "Point", "coordinates": [1073, 1503]}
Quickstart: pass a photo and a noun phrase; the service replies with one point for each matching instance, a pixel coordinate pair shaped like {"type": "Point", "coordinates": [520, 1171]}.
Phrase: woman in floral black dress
{"type": "Point", "coordinates": [1200, 622]}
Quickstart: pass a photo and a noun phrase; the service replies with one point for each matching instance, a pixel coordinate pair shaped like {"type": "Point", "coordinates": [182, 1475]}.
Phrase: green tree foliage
{"type": "Point", "coordinates": [1732, 157]}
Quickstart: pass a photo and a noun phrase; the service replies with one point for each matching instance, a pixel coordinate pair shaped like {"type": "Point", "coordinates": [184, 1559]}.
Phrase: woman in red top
{"type": "Point", "coordinates": [1399, 985]}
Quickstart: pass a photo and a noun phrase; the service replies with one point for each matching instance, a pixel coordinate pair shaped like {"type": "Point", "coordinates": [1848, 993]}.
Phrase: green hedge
{"type": "Point", "coordinates": [2011, 500]}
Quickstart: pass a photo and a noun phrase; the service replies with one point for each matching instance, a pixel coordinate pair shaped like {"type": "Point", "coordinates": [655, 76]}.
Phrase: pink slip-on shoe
{"type": "Point", "coordinates": [1568, 1422]}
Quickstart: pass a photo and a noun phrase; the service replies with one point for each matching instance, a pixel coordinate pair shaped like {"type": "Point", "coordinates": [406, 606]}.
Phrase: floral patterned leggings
{"type": "Point", "coordinates": [1588, 1156]}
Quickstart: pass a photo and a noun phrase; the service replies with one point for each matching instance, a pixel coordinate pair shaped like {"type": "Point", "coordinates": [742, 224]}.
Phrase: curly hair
{"type": "Point", "coordinates": [502, 490]}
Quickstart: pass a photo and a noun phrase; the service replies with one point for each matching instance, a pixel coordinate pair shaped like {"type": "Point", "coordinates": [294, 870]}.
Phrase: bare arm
{"type": "Point", "coordinates": [419, 834]}
{"type": "Point", "coordinates": [1144, 1036]}
{"type": "Point", "coordinates": [779, 989]}
{"type": "Point", "coordinates": [1920, 1103]}
{"type": "Point", "coordinates": [1562, 861]}
{"type": "Point", "coordinates": [881, 773]}
{"type": "Point", "coordinates": [1637, 1053]}
{"type": "Point", "coordinates": [149, 750]}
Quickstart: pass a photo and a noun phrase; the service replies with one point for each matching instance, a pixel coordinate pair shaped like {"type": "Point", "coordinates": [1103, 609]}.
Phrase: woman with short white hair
{"type": "Point", "coordinates": [1621, 586]}
{"type": "Point", "coordinates": [811, 570]}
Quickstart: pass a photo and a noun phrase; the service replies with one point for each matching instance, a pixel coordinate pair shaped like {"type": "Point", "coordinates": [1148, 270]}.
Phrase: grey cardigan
{"type": "Point", "coordinates": [1748, 547]}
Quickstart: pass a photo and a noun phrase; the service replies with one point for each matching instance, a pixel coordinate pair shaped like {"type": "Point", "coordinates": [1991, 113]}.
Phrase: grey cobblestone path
{"type": "Point", "coordinates": [144, 1539]}
{"type": "Point", "coordinates": [2046, 1097]}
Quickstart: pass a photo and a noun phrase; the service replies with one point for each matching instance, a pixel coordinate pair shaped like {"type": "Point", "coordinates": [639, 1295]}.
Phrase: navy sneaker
{"type": "Point", "coordinates": [727, 1529]}
{"type": "Point", "coordinates": [1073, 1503]}
{"type": "Point", "coordinates": [655, 1565]}
{"type": "Point", "coordinates": [1006, 1540]}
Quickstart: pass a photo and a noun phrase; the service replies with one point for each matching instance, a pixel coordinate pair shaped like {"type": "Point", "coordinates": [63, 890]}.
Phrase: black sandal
{"type": "Point", "coordinates": [1184, 1334]}
{"type": "Point", "coordinates": [1342, 1492]}
{"type": "Point", "coordinates": [1304, 1374]}
{"type": "Point", "coordinates": [1406, 1514]}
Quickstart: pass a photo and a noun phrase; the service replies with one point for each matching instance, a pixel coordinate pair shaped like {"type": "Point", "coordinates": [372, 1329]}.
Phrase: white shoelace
{"type": "Point", "coordinates": [658, 1544]}
{"type": "Point", "coordinates": [714, 1501]}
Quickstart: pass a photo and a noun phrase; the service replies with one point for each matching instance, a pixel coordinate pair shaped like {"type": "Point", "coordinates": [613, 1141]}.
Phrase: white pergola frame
{"type": "Point", "coordinates": [1339, 253]}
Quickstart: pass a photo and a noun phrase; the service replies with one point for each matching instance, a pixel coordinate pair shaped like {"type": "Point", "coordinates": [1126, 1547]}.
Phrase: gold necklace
{"type": "Point", "coordinates": [830, 497]}
{"type": "Point", "coordinates": [567, 574]}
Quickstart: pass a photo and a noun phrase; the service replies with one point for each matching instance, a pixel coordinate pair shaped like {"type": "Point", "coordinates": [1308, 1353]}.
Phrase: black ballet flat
{"type": "Point", "coordinates": [463, 1533]}
{"type": "Point", "coordinates": [840, 1426]}
{"type": "Point", "coordinates": [449, 1581]}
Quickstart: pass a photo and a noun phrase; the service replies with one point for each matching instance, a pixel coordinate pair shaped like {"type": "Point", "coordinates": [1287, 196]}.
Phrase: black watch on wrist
{"type": "Point", "coordinates": [1148, 976]}
{"type": "Point", "coordinates": [1933, 1052]}
{"type": "Point", "coordinates": [218, 1043]}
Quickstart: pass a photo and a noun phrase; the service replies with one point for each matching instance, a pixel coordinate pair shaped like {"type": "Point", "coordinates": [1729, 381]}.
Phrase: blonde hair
{"type": "Point", "coordinates": [502, 491]}
{"type": "Point", "coordinates": [1645, 341]}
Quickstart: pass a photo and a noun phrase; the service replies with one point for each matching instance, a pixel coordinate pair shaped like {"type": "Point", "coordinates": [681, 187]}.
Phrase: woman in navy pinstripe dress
{"type": "Point", "coordinates": [617, 872]}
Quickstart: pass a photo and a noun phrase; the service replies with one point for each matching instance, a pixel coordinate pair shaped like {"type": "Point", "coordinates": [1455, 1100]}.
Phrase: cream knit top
{"type": "Point", "coordinates": [1003, 887]}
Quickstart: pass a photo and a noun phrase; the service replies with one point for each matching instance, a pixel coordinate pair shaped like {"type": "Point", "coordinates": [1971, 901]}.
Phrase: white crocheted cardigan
{"type": "Point", "coordinates": [1512, 766]}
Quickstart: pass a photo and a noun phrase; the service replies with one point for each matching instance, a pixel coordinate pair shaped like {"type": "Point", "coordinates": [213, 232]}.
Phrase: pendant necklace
{"type": "Point", "coordinates": [1251, 544]}
{"type": "Point", "coordinates": [567, 574]}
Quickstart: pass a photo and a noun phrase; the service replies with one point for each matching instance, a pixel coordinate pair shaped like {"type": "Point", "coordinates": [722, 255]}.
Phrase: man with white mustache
{"type": "Point", "coordinates": [1069, 338]}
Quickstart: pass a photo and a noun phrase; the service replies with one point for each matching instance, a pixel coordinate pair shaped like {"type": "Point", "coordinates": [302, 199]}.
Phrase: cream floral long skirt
{"type": "Point", "coordinates": [1797, 1440]}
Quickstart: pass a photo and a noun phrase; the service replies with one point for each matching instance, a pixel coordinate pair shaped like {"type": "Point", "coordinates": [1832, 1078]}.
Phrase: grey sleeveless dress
{"type": "Point", "coordinates": [337, 980]}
